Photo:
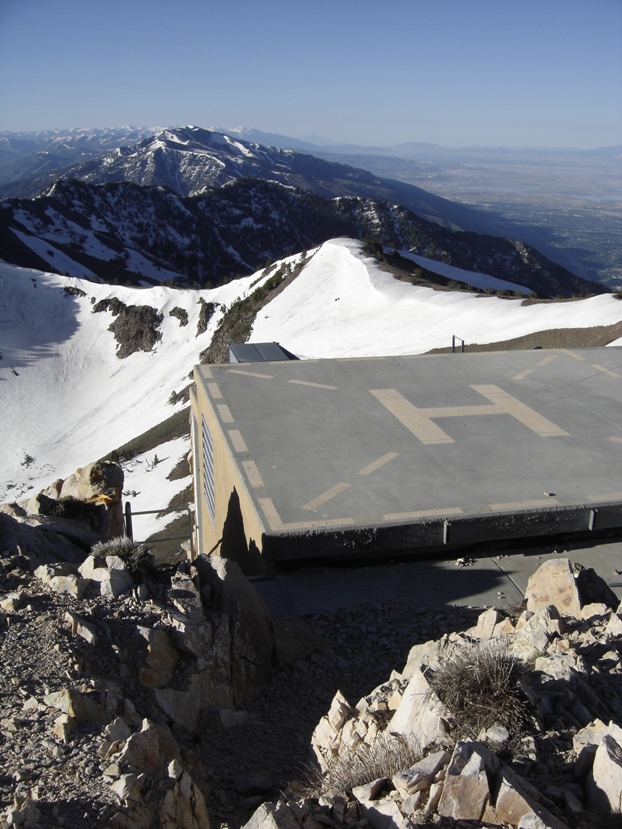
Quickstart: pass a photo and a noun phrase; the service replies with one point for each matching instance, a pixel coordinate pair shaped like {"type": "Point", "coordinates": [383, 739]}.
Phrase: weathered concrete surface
{"type": "Point", "coordinates": [356, 457]}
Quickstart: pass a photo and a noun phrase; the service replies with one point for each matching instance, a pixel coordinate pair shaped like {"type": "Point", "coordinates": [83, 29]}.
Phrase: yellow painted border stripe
{"type": "Point", "coordinates": [252, 473]}
{"type": "Point", "coordinates": [251, 374]}
{"type": "Point", "coordinates": [372, 467]}
{"type": "Point", "coordinates": [239, 444]}
{"type": "Point", "coordinates": [606, 496]}
{"type": "Point", "coordinates": [313, 385]}
{"type": "Point", "coordinates": [225, 413]}
{"type": "Point", "coordinates": [327, 496]}
{"type": "Point", "coordinates": [422, 513]}
{"type": "Point", "coordinates": [274, 519]}
{"type": "Point", "coordinates": [537, 502]}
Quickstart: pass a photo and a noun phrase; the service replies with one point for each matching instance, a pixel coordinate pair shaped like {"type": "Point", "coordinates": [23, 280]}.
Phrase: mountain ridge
{"type": "Point", "coordinates": [126, 232]}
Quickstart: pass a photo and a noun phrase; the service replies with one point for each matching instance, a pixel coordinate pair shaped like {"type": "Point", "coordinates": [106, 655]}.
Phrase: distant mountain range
{"type": "Point", "coordinates": [204, 229]}
{"type": "Point", "coordinates": [188, 160]}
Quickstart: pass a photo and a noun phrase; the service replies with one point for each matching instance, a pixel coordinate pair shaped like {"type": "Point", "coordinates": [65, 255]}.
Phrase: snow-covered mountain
{"type": "Point", "coordinates": [132, 234]}
{"type": "Point", "coordinates": [28, 156]}
{"type": "Point", "coordinates": [68, 399]}
{"type": "Point", "coordinates": [188, 160]}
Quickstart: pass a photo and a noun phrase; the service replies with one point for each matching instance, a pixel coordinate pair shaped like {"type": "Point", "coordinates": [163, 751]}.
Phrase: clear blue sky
{"type": "Point", "coordinates": [453, 72]}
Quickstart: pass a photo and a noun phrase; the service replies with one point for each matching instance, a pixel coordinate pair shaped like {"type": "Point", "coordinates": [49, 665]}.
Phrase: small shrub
{"type": "Point", "coordinates": [479, 684]}
{"type": "Point", "coordinates": [390, 754]}
{"type": "Point", "coordinates": [137, 558]}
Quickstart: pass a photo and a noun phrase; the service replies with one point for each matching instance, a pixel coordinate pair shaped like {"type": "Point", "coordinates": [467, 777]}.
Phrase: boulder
{"type": "Point", "coordinates": [62, 578]}
{"type": "Point", "coordinates": [252, 631]}
{"type": "Point", "coordinates": [113, 578]}
{"type": "Point", "coordinates": [466, 790]}
{"type": "Point", "coordinates": [516, 798]}
{"type": "Point", "coordinates": [554, 583]}
{"type": "Point", "coordinates": [40, 543]}
{"type": "Point", "coordinates": [421, 716]}
{"type": "Point", "coordinates": [100, 482]}
{"type": "Point", "coordinates": [605, 781]}
{"type": "Point", "coordinates": [161, 658]}
{"type": "Point", "coordinates": [421, 775]}
{"type": "Point", "coordinates": [149, 749]}
{"type": "Point", "coordinates": [83, 706]}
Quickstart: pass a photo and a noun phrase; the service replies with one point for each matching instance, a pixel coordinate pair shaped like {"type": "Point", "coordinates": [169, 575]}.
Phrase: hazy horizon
{"type": "Point", "coordinates": [445, 72]}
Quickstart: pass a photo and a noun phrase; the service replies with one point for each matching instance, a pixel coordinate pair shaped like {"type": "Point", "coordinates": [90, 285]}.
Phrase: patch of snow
{"type": "Point", "coordinates": [474, 278]}
{"type": "Point", "coordinates": [344, 305]}
{"type": "Point", "coordinates": [53, 256]}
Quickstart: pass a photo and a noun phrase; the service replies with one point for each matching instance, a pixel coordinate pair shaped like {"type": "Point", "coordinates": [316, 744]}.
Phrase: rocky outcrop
{"type": "Point", "coordinates": [115, 671]}
{"type": "Point", "coordinates": [563, 761]}
{"type": "Point", "coordinates": [65, 520]}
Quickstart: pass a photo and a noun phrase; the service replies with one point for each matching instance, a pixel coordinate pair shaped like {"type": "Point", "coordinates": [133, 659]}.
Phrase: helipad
{"type": "Point", "coordinates": [301, 459]}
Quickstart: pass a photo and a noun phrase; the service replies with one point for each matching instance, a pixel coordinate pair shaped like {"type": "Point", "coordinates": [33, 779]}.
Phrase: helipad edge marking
{"type": "Point", "coordinates": [214, 390]}
{"type": "Point", "coordinates": [314, 385]}
{"type": "Point", "coordinates": [522, 374]}
{"type": "Point", "coordinates": [225, 414]}
{"type": "Point", "coordinates": [253, 475]}
{"type": "Point", "coordinates": [422, 513]}
{"type": "Point", "coordinates": [327, 496]}
{"type": "Point", "coordinates": [237, 440]}
{"type": "Point", "coordinates": [250, 374]}
{"type": "Point", "coordinates": [606, 496]}
{"type": "Point", "coordinates": [372, 467]}
{"type": "Point", "coordinates": [274, 519]}
{"type": "Point", "coordinates": [538, 502]}
{"type": "Point", "coordinates": [604, 370]}
{"type": "Point", "coordinates": [572, 354]}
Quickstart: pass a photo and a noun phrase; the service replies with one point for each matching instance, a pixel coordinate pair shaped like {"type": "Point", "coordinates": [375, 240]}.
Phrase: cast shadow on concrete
{"type": "Point", "coordinates": [234, 543]}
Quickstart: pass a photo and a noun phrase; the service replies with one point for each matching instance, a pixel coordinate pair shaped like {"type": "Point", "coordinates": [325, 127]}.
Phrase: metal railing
{"type": "Point", "coordinates": [129, 527]}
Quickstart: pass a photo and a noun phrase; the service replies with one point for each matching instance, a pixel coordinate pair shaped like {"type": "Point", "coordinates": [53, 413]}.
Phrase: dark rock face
{"type": "Point", "coordinates": [135, 326]}
{"type": "Point", "coordinates": [234, 228]}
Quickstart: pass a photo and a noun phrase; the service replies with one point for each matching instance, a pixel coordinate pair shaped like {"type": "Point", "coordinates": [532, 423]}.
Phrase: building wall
{"type": "Point", "coordinates": [236, 530]}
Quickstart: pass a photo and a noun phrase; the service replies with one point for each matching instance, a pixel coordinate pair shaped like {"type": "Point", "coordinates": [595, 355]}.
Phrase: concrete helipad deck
{"type": "Point", "coordinates": [360, 456]}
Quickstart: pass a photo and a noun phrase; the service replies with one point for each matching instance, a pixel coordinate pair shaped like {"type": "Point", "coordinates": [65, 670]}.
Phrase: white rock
{"type": "Point", "coordinates": [421, 717]}
{"type": "Point", "coordinates": [605, 782]}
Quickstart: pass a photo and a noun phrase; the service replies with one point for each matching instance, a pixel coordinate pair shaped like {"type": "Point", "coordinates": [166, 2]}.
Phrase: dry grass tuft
{"type": "Point", "coordinates": [137, 558]}
{"type": "Point", "coordinates": [479, 684]}
{"type": "Point", "coordinates": [389, 754]}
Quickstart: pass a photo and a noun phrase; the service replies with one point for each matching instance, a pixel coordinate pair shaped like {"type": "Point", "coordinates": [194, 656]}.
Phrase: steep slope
{"type": "Point", "coordinates": [127, 233]}
{"type": "Point", "coordinates": [344, 305]}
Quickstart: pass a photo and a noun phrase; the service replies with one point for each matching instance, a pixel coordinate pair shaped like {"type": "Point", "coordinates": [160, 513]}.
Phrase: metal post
{"type": "Point", "coordinates": [128, 520]}
{"type": "Point", "coordinates": [191, 531]}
